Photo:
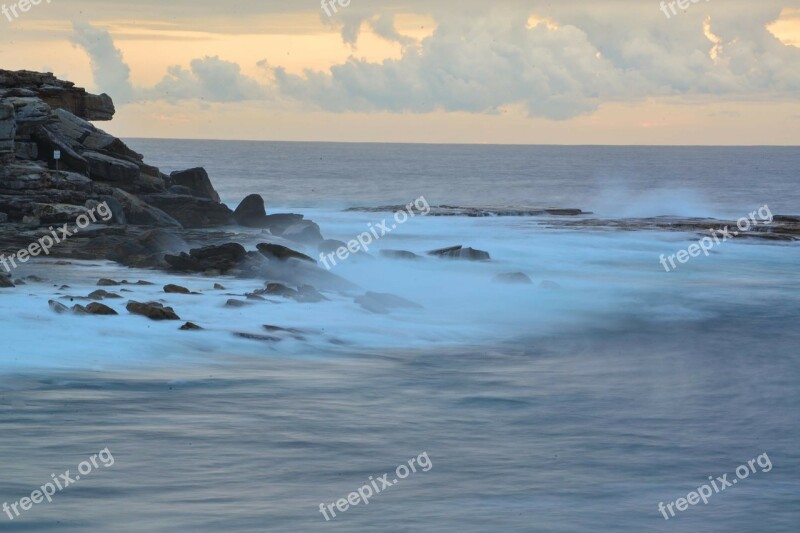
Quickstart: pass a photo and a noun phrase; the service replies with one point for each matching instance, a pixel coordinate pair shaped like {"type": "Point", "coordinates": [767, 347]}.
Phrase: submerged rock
{"type": "Point", "coordinates": [152, 310]}
{"type": "Point", "coordinates": [399, 254]}
{"type": "Point", "coordinates": [96, 308]}
{"type": "Point", "coordinates": [176, 289]}
{"type": "Point", "coordinates": [459, 252]}
{"type": "Point", "coordinates": [190, 326]}
{"type": "Point", "coordinates": [383, 303]}
{"type": "Point", "coordinates": [513, 278]}
{"type": "Point", "coordinates": [281, 252]}
{"type": "Point", "coordinates": [210, 259]}
{"type": "Point", "coordinates": [57, 307]}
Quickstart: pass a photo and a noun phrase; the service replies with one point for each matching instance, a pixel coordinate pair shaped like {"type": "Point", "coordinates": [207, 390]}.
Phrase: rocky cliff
{"type": "Point", "coordinates": [40, 116]}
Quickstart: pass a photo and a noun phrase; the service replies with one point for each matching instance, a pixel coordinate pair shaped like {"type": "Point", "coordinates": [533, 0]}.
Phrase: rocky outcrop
{"type": "Point", "coordinates": [41, 116]}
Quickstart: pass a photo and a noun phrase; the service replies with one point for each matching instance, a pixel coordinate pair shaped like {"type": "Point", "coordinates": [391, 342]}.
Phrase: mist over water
{"type": "Point", "coordinates": [577, 405]}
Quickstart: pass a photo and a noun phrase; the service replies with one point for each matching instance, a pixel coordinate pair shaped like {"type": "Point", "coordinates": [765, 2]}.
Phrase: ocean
{"type": "Point", "coordinates": [577, 403]}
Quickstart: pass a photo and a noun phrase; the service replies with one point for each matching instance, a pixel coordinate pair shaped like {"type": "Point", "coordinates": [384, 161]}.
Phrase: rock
{"type": "Point", "coordinates": [96, 308]}
{"type": "Point", "coordinates": [160, 240]}
{"type": "Point", "coordinates": [59, 94]}
{"type": "Point", "coordinates": [176, 289]}
{"type": "Point", "coordinates": [459, 252]}
{"type": "Point", "coordinates": [139, 212]}
{"type": "Point", "coordinates": [513, 278]}
{"type": "Point", "coordinates": [117, 211]}
{"type": "Point", "coordinates": [251, 212]}
{"type": "Point", "coordinates": [383, 303]}
{"type": "Point", "coordinates": [101, 294]}
{"type": "Point", "coordinates": [152, 310]}
{"type": "Point", "coordinates": [197, 181]}
{"type": "Point", "coordinates": [399, 254]}
{"type": "Point", "coordinates": [308, 294]}
{"type": "Point", "coordinates": [78, 309]}
{"type": "Point", "coordinates": [58, 307]}
{"type": "Point", "coordinates": [190, 326]}
{"type": "Point", "coordinates": [329, 246]}
{"type": "Point", "coordinates": [3, 218]}
{"type": "Point", "coordinates": [219, 287]}
{"type": "Point", "coordinates": [304, 231]}
{"type": "Point", "coordinates": [547, 284]}
{"type": "Point", "coordinates": [35, 279]}
{"type": "Point", "coordinates": [277, 223]}
{"type": "Point", "coordinates": [236, 303]}
{"type": "Point", "coordinates": [107, 283]}
{"type": "Point", "coordinates": [281, 252]}
{"type": "Point", "coordinates": [256, 337]}
{"type": "Point", "coordinates": [191, 211]}
{"type": "Point", "coordinates": [221, 258]}
{"type": "Point", "coordinates": [291, 332]}
{"type": "Point", "coordinates": [279, 289]}
{"type": "Point", "coordinates": [110, 169]}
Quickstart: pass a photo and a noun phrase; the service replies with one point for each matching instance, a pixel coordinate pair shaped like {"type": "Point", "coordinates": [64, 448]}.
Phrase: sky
{"type": "Point", "coordinates": [719, 72]}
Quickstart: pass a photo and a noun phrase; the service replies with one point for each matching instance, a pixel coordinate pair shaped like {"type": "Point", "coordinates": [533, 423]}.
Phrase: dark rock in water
{"type": "Point", "coordinates": [191, 211]}
{"type": "Point", "coordinates": [277, 223]}
{"type": "Point", "coordinates": [303, 294]}
{"type": "Point", "coordinates": [305, 231]}
{"type": "Point", "coordinates": [399, 254]}
{"type": "Point", "coordinates": [279, 289]}
{"type": "Point", "coordinates": [107, 283]}
{"type": "Point", "coordinates": [35, 279]}
{"type": "Point", "coordinates": [251, 212]}
{"type": "Point", "coordinates": [547, 284]}
{"type": "Point", "coordinates": [197, 181]}
{"type": "Point", "coordinates": [254, 296]}
{"type": "Point", "coordinates": [295, 333]}
{"type": "Point", "coordinates": [78, 309]}
{"type": "Point", "coordinates": [236, 303]}
{"type": "Point", "coordinates": [6, 283]}
{"type": "Point", "coordinates": [513, 277]}
{"type": "Point", "coordinates": [96, 308]}
{"type": "Point", "coordinates": [140, 282]}
{"type": "Point", "coordinates": [209, 259]}
{"type": "Point", "coordinates": [382, 303]}
{"type": "Point", "coordinates": [459, 252]}
{"type": "Point", "coordinates": [152, 310]}
{"type": "Point", "coordinates": [160, 240]}
{"type": "Point", "coordinates": [176, 289]}
{"type": "Point", "coordinates": [329, 246]}
{"type": "Point", "coordinates": [256, 337]}
{"type": "Point", "coordinates": [101, 294]}
{"type": "Point", "coordinates": [281, 252]}
{"type": "Point", "coordinates": [308, 294]}
{"type": "Point", "coordinates": [219, 287]}
{"type": "Point", "coordinates": [58, 307]}
{"type": "Point", "coordinates": [18, 282]}
{"type": "Point", "coordinates": [190, 326]}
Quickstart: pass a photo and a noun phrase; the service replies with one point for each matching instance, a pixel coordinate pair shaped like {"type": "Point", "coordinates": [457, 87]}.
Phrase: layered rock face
{"type": "Point", "coordinates": [40, 116]}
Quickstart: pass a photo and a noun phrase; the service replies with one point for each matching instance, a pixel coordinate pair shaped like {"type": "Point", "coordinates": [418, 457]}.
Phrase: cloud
{"type": "Point", "coordinates": [485, 58]}
{"type": "Point", "coordinates": [586, 57]}
{"type": "Point", "coordinates": [110, 71]}
{"type": "Point", "coordinates": [209, 78]}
